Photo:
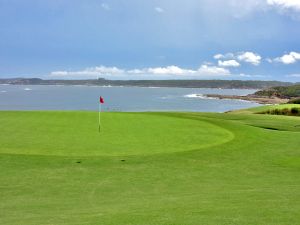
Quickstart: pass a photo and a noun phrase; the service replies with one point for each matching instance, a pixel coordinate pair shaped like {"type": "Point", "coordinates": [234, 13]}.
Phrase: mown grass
{"type": "Point", "coordinates": [227, 169]}
{"type": "Point", "coordinates": [76, 134]}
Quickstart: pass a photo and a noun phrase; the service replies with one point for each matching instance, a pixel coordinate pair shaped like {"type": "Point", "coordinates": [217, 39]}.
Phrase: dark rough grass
{"type": "Point", "coordinates": [254, 178]}
{"type": "Point", "coordinates": [285, 111]}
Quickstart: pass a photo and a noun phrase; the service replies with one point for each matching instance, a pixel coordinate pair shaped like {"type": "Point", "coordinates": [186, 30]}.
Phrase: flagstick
{"type": "Point", "coordinates": [99, 116]}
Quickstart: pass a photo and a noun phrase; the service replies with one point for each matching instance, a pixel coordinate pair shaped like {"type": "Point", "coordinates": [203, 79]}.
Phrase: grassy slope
{"type": "Point", "coordinates": [265, 108]}
{"type": "Point", "coordinates": [252, 179]}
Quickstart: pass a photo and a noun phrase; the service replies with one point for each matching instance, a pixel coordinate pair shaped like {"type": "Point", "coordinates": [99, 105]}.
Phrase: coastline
{"type": "Point", "coordinates": [251, 98]}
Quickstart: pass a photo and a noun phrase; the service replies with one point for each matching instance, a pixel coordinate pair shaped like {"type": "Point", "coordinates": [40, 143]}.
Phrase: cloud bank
{"type": "Point", "coordinates": [210, 70]}
{"type": "Point", "coordinates": [247, 57]}
{"type": "Point", "coordinates": [204, 71]}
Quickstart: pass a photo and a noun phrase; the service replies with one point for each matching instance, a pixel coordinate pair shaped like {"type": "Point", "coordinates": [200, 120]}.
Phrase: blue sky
{"type": "Point", "coordinates": [150, 39]}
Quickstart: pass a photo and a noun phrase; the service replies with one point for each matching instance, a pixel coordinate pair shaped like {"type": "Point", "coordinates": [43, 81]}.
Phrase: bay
{"type": "Point", "coordinates": [135, 99]}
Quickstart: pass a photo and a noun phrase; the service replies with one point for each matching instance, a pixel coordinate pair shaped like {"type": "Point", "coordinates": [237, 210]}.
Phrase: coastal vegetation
{"type": "Point", "coordinates": [294, 101]}
{"type": "Point", "coordinates": [288, 92]}
{"type": "Point", "coordinates": [265, 108]}
{"type": "Point", "coordinates": [272, 95]}
{"type": "Point", "coordinates": [285, 111]}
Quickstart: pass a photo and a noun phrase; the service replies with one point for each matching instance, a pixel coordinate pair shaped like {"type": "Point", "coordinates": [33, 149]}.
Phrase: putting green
{"type": "Point", "coordinates": [76, 134]}
{"type": "Point", "coordinates": [252, 179]}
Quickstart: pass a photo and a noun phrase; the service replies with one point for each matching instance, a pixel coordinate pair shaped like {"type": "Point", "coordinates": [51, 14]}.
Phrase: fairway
{"type": "Point", "coordinates": [149, 169]}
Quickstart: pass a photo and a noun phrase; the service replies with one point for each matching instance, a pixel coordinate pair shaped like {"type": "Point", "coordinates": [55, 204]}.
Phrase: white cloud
{"type": "Point", "coordinates": [212, 71]}
{"type": "Point", "coordinates": [290, 58]}
{"type": "Point", "coordinates": [169, 70]}
{"type": "Point", "coordinates": [159, 10]}
{"type": "Point", "coordinates": [173, 70]}
{"type": "Point", "coordinates": [285, 4]}
{"type": "Point", "coordinates": [153, 72]}
{"type": "Point", "coordinates": [252, 76]}
{"type": "Point", "coordinates": [239, 9]}
{"type": "Point", "coordinates": [219, 56]}
{"type": "Point", "coordinates": [226, 56]}
{"type": "Point", "coordinates": [59, 73]}
{"type": "Point", "coordinates": [229, 63]}
{"type": "Point", "coordinates": [105, 6]}
{"type": "Point", "coordinates": [249, 57]}
{"type": "Point", "coordinates": [89, 72]}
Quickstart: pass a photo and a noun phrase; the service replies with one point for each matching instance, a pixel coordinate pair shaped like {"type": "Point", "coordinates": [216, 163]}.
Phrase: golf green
{"type": "Point", "coordinates": [76, 134]}
{"type": "Point", "coordinates": [149, 169]}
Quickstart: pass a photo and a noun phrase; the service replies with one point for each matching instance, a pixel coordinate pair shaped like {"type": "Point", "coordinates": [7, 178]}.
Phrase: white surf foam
{"type": "Point", "coordinates": [200, 96]}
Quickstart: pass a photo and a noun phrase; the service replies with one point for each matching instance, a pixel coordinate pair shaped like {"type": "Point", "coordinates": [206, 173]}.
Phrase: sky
{"type": "Point", "coordinates": [150, 39]}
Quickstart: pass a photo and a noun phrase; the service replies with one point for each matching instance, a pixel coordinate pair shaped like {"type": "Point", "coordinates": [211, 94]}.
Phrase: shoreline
{"type": "Point", "coordinates": [251, 98]}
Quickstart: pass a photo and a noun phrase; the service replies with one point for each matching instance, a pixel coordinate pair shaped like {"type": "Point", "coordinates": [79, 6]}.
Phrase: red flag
{"type": "Point", "coordinates": [101, 100]}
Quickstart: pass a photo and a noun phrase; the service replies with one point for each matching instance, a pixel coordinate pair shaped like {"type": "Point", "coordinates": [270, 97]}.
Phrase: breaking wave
{"type": "Point", "coordinates": [201, 96]}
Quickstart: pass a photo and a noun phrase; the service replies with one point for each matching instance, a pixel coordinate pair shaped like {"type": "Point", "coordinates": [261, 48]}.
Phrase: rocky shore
{"type": "Point", "coordinates": [252, 98]}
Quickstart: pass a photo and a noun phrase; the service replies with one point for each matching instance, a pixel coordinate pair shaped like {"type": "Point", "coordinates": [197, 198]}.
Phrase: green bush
{"type": "Point", "coordinates": [294, 101]}
{"type": "Point", "coordinates": [276, 112]}
{"type": "Point", "coordinates": [286, 112]}
{"type": "Point", "coordinates": [295, 110]}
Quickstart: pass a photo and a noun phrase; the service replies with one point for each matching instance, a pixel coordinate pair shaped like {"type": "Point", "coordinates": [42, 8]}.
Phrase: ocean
{"type": "Point", "coordinates": [135, 99]}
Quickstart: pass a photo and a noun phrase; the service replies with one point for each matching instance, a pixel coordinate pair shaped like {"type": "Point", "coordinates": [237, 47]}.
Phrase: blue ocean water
{"type": "Point", "coordinates": [44, 97]}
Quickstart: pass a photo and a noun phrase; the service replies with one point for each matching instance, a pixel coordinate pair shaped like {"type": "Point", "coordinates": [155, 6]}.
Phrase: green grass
{"type": "Point", "coordinates": [265, 108]}
{"type": "Point", "coordinates": [149, 169]}
{"type": "Point", "coordinates": [76, 134]}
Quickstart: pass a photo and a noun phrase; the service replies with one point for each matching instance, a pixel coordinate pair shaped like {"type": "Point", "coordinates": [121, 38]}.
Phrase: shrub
{"type": "Point", "coordinates": [285, 111]}
{"type": "Point", "coordinates": [294, 101]}
{"type": "Point", "coordinates": [276, 112]}
{"type": "Point", "coordinates": [295, 111]}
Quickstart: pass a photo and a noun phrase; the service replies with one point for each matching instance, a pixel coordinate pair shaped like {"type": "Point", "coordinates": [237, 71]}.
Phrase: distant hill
{"type": "Point", "coordinates": [238, 84]}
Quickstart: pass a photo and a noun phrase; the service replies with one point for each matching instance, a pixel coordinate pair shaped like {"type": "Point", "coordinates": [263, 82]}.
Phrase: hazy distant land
{"type": "Point", "coordinates": [225, 84]}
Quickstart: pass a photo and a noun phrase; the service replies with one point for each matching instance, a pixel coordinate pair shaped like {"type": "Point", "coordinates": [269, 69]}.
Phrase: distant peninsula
{"type": "Point", "coordinates": [224, 84]}
{"type": "Point", "coordinates": [272, 95]}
